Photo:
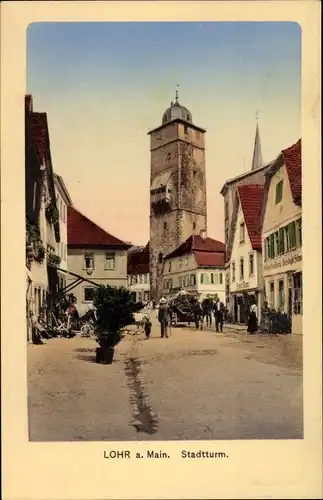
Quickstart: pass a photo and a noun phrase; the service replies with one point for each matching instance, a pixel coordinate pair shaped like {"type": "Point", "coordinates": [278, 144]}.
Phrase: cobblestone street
{"type": "Point", "coordinates": [194, 385]}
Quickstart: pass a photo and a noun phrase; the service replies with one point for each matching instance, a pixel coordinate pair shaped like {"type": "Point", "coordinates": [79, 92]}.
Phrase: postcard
{"type": "Point", "coordinates": [160, 245]}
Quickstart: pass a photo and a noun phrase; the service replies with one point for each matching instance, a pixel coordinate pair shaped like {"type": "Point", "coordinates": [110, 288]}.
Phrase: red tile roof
{"type": "Point", "coordinates": [138, 261]}
{"type": "Point", "coordinates": [198, 244]}
{"type": "Point", "coordinates": [82, 232]}
{"type": "Point", "coordinates": [209, 259]}
{"type": "Point", "coordinates": [293, 160]}
{"type": "Point", "coordinates": [38, 125]}
{"type": "Point", "coordinates": [251, 196]}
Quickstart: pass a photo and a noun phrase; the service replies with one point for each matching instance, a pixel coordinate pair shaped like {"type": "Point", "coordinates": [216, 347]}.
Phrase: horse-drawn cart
{"type": "Point", "coordinates": [181, 308]}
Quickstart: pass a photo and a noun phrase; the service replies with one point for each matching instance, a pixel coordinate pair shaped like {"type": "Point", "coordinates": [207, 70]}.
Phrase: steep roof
{"type": "Point", "coordinates": [195, 243]}
{"type": "Point", "coordinates": [60, 182]}
{"type": "Point", "coordinates": [292, 157]}
{"type": "Point", "coordinates": [209, 259]}
{"type": "Point", "coordinates": [138, 260]}
{"type": "Point", "coordinates": [251, 197]}
{"type": "Point", "coordinates": [38, 125]}
{"type": "Point", "coordinates": [82, 232]}
{"type": "Point", "coordinates": [257, 160]}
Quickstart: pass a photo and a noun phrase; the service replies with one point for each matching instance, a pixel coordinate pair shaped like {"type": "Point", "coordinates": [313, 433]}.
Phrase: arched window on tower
{"type": "Point", "coordinates": [160, 258]}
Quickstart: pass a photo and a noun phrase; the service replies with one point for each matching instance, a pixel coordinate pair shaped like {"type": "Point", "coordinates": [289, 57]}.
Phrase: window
{"type": "Point", "coordinates": [242, 231]}
{"type": "Point", "coordinates": [233, 272]}
{"type": "Point", "coordinates": [180, 282]}
{"type": "Point", "coordinates": [241, 268]}
{"type": "Point", "coordinates": [292, 235]}
{"type": "Point", "coordinates": [146, 278]}
{"type": "Point", "coordinates": [194, 173]}
{"type": "Point", "coordinates": [165, 225]}
{"type": "Point", "coordinates": [169, 266]}
{"type": "Point", "coordinates": [221, 278]}
{"type": "Point", "coordinates": [185, 130]}
{"type": "Point", "coordinates": [160, 258]}
{"type": "Point", "coordinates": [89, 261]}
{"type": "Point", "coordinates": [212, 279]}
{"type": "Point", "coordinates": [276, 239]}
{"type": "Point", "coordinates": [202, 278]}
{"type": "Point", "coordinates": [281, 297]}
{"type": "Point", "coordinates": [216, 279]}
{"type": "Point", "coordinates": [251, 265]}
{"type": "Point", "coordinates": [109, 261]}
{"type": "Point", "coordinates": [297, 293]}
{"type": "Point", "coordinates": [170, 284]}
{"type": "Point", "coordinates": [88, 294]}
{"type": "Point", "coordinates": [194, 226]}
{"type": "Point", "coordinates": [279, 192]}
{"type": "Point", "coordinates": [281, 242]}
{"type": "Point", "coordinates": [180, 263]}
{"type": "Point", "coordinates": [165, 284]}
{"type": "Point", "coordinates": [139, 279]}
{"type": "Point", "coordinates": [186, 261]}
{"type": "Point", "coordinates": [270, 247]}
{"type": "Point", "coordinates": [299, 233]}
{"type": "Point", "coordinates": [192, 280]}
{"type": "Point", "coordinates": [272, 294]}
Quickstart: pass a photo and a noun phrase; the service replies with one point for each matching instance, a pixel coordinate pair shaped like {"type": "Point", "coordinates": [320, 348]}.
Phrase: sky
{"type": "Point", "coordinates": [105, 85]}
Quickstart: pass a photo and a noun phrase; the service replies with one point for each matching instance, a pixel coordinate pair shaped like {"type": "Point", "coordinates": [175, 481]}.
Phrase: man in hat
{"type": "Point", "coordinates": [163, 316]}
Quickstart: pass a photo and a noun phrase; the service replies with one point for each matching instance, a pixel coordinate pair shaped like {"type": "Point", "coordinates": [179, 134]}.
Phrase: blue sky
{"type": "Point", "coordinates": [104, 85]}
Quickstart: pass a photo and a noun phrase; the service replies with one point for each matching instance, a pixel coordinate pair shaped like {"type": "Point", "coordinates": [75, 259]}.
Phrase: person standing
{"type": "Point", "coordinates": [147, 326]}
{"type": "Point", "coordinates": [253, 319]}
{"type": "Point", "coordinates": [197, 312]}
{"type": "Point", "coordinates": [218, 313]}
{"type": "Point", "coordinates": [163, 316]}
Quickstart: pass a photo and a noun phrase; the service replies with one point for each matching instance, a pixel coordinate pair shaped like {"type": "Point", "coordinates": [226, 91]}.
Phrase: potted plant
{"type": "Point", "coordinates": [52, 213]}
{"type": "Point", "coordinates": [114, 308]}
{"type": "Point", "coordinates": [54, 260]}
{"type": "Point", "coordinates": [40, 253]}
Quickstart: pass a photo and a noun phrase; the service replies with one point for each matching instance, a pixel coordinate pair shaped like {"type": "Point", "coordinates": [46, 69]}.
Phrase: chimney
{"type": "Point", "coordinates": [203, 234]}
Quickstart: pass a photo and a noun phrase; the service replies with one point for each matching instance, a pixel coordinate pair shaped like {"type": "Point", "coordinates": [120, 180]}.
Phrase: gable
{"type": "Point", "coordinates": [277, 212]}
{"type": "Point", "coordinates": [236, 243]}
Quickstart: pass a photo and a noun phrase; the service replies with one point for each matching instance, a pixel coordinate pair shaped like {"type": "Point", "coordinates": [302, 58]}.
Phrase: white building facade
{"type": "Point", "coordinates": [246, 270]}
{"type": "Point", "coordinates": [63, 200]}
{"type": "Point", "coordinates": [282, 236]}
{"type": "Point", "coordinates": [197, 267]}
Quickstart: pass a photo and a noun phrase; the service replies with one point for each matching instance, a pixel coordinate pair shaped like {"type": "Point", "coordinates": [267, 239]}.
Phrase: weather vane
{"type": "Point", "coordinates": [176, 93]}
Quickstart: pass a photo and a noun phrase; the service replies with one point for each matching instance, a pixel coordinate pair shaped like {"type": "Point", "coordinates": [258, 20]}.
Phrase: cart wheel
{"type": "Point", "coordinates": [86, 330]}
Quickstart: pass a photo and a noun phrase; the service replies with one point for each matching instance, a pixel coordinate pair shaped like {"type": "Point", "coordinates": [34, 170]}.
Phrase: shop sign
{"type": "Point", "coordinates": [242, 285]}
{"type": "Point", "coordinates": [284, 261]}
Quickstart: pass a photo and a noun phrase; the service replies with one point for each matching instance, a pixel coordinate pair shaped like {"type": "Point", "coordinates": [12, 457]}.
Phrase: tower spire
{"type": "Point", "coordinates": [257, 160]}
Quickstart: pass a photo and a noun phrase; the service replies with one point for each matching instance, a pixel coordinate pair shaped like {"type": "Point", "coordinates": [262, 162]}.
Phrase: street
{"type": "Point", "coordinates": [194, 385]}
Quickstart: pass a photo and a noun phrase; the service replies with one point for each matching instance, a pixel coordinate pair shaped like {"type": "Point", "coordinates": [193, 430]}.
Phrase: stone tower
{"type": "Point", "coordinates": [177, 187]}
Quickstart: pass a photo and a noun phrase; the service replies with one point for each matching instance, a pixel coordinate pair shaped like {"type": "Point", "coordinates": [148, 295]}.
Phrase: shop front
{"type": "Point", "coordinates": [242, 301]}
{"type": "Point", "coordinates": [284, 287]}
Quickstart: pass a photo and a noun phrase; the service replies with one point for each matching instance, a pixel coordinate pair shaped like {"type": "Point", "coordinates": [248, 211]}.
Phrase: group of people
{"type": "Point", "coordinates": [206, 310]}
{"type": "Point", "coordinates": [203, 313]}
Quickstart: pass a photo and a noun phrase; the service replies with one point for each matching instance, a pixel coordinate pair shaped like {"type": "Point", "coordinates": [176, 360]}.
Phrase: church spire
{"type": "Point", "coordinates": [257, 160]}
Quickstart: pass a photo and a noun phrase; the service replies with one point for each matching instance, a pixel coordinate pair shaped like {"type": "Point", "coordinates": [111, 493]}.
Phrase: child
{"type": "Point", "coordinates": [147, 326]}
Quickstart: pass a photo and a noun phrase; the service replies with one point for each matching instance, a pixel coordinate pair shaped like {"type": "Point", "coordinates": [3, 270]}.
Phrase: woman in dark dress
{"type": "Point", "coordinates": [253, 320]}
